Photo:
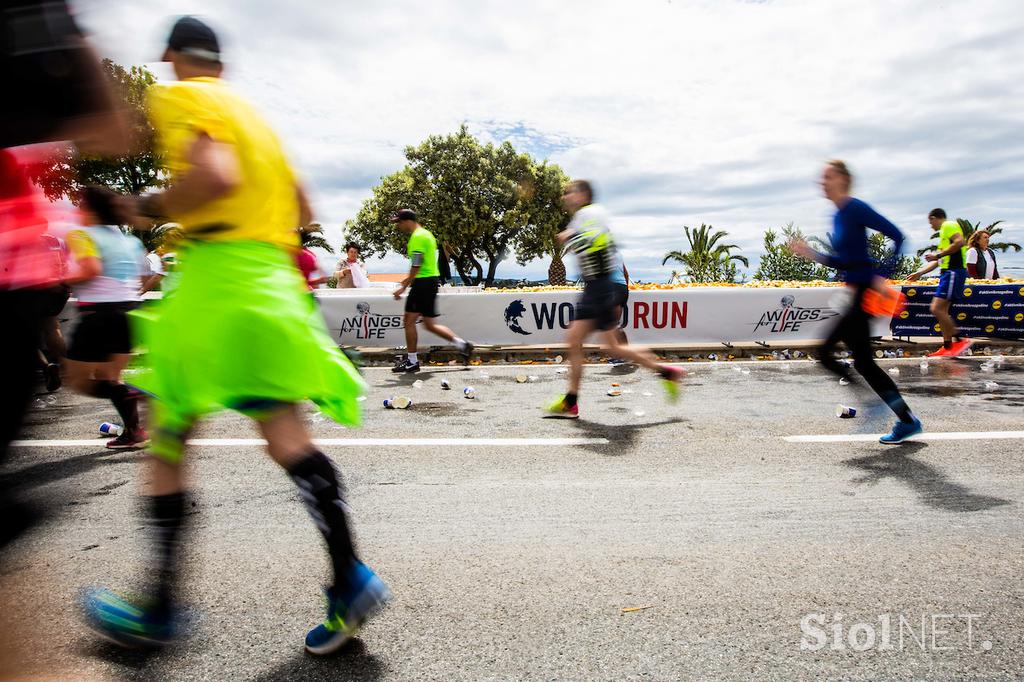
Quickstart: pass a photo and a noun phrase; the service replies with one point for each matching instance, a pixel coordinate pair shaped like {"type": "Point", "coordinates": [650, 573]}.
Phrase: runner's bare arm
{"type": "Point", "coordinates": [213, 173]}
{"type": "Point", "coordinates": [920, 273]}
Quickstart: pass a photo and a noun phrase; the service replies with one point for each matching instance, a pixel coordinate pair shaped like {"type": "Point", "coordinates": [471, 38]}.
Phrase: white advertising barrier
{"type": "Point", "coordinates": [696, 315]}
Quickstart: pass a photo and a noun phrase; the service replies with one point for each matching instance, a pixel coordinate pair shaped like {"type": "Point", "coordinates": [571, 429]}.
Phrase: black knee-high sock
{"type": "Point", "coordinates": [126, 404]}
{"type": "Point", "coordinates": [166, 518]}
{"type": "Point", "coordinates": [319, 488]}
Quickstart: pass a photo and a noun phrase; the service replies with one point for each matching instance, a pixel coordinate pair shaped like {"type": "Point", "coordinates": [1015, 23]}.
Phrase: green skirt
{"type": "Point", "coordinates": [240, 330]}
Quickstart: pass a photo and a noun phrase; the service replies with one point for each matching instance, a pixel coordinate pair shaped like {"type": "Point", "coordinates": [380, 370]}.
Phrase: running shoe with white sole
{"type": "Point", "coordinates": [406, 367]}
{"type": "Point", "coordinates": [346, 614]}
{"type": "Point", "coordinates": [902, 431]}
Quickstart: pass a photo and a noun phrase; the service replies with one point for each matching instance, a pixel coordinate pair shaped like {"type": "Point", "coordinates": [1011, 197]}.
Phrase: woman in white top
{"type": "Point", "coordinates": [981, 263]}
{"type": "Point", "coordinates": [350, 274]}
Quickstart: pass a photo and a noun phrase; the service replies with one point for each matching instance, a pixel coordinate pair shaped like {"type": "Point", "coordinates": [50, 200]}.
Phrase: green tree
{"type": "Point", "coordinates": [486, 202]}
{"type": "Point", "coordinates": [67, 172]}
{"type": "Point", "coordinates": [879, 251]}
{"type": "Point", "coordinates": [779, 263]}
{"type": "Point", "coordinates": [707, 260]}
{"type": "Point", "coordinates": [970, 228]}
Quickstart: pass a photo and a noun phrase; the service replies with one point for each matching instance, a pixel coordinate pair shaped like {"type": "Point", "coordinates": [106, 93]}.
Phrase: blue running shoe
{"type": "Point", "coordinates": [131, 623]}
{"type": "Point", "coordinates": [345, 614]}
{"type": "Point", "coordinates": [902, 431]}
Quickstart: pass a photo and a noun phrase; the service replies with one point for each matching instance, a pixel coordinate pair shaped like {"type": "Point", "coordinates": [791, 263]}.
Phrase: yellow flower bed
{"type": "Point", "coordinates": [773, 284]}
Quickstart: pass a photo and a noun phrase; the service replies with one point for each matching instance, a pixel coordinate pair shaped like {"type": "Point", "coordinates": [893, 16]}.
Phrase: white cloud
{"type": "Point", "coordinates": [682, 112]}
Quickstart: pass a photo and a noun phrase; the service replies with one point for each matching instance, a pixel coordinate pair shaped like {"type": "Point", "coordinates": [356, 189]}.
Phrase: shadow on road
{"type": "Point", "coordinates": [622, 437]}
{"type": "Point", "coordinates": [132, 664]}
{"type": "Point", "coordinates": [353, 662]}
{"type": "Point", "coordinates": [930, 484]}
{"type": "Point", "coordinates": [66, 467]}
{"type": "Point", "coordinates": [406, 380]}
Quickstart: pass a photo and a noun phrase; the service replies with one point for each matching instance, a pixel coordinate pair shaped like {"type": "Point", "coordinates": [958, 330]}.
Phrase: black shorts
{"type": "Point", "coordinates": [102, 331]}
{"type": "Point", "coordinates": [54, 300]}
{"type": "Point", "coordinates": [621, 294]}
{"type": "Point", "coordinates": [422, 296]}
{"type": "Point", "coordinates": [599, 303]}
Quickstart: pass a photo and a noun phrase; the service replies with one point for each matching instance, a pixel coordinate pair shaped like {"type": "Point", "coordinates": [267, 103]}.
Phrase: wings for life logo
{"type": "Point", "coordinates": [366, 325]}
{"type": "Point", "coordinates": [789, 317]}
{"type": "Point", "coordinates": [514, 317]}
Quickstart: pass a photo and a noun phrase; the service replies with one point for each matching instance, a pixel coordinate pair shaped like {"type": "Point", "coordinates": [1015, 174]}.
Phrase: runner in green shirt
{"type": "Point", "coordinates": [951, 260]}
{"type": "Point", "coordinates": [423, 282]}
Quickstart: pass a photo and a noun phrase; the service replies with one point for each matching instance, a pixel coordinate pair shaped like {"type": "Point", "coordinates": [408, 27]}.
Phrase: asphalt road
{"type": "Point", "coordinates": [524, 561]}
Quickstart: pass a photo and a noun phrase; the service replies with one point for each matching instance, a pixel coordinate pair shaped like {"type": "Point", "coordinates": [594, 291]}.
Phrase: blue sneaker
{"type": "Point", "coordinates": [346, 615]}
{"type": "Point", "coordinates": [131, 623]}
{"type": "Point", "coordinates": [902, 431]}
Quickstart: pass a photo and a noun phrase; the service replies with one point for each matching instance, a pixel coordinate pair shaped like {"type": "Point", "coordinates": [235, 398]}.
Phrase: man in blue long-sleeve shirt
{"type": "Point", "coordinates": [850, 243]}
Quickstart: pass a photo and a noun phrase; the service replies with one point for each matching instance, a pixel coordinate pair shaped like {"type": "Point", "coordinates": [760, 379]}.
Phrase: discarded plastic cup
{"type": "Point", "coordinates": [397, 403]}
{"type": "Point", "coordinates": [846, 412]}
{"type": "Point", "coordinates": [109, 429]}
{"type": "Point", "coordinates": [558, 358]}
{"type": "Point", "coordinates": [445, 386]}
{"type": "Point", "coordinates": [469, 392]}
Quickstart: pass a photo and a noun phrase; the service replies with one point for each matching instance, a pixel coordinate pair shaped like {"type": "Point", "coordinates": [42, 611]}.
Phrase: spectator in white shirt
{"type": "Point", "coordinates": [981, 263]}
{"type": "Point", "coordinates": [351, 273]}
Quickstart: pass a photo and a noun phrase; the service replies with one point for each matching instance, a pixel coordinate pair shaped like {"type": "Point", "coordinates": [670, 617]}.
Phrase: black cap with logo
{"type": "Point", "coordinates": [191, 36]}
{"type": "Point", "coordinates": [403, 214]}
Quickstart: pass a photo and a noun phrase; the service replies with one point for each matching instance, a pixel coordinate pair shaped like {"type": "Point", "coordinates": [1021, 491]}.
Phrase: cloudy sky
{"type": "Point", "coordinates": [683, 112]}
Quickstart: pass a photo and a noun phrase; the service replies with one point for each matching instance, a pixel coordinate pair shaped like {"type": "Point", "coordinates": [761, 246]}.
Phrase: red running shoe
{"type": "Point", "coordinates": [959, 348]}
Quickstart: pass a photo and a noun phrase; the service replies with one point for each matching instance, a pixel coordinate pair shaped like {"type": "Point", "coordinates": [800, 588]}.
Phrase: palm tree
{"type": "Point", "coordinates": [970, 228]}
{"type": "Point", "coordinates": [312, 238]}
{"type": "Point", "coordinates": [556, 271]}
{"type": "Point", "coordinates": [707, 260]}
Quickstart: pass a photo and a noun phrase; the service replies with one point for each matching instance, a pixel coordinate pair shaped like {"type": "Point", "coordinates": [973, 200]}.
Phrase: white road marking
{"type": "Point", "coordinates": [343, 442]}
{"type": "Point", "coordinates": [940, 435]}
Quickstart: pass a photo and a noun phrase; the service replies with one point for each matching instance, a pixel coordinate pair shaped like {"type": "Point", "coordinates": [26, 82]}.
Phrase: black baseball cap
{"type": "Point", "coordinates": [404, 214]}
{"type": "Point", "coordinates": [193, 37]}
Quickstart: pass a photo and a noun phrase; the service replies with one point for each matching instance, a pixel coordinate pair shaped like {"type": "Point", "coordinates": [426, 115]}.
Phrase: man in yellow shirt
{"type": "Point", "coordinates": [237, 331]}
